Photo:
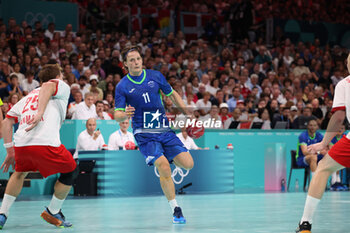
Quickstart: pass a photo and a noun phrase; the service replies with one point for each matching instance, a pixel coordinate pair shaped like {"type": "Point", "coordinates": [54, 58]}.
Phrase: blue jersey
{"type": "Point", "coordinates": [305, 139]}
{"type": "Point", "coordinates": [144, 94]}
{"type": "Point", "coordinates": [336, 139]}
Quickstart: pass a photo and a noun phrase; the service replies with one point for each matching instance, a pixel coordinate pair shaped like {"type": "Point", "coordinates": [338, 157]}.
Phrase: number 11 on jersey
{"type": "Point", "coordinates": [146, 97]}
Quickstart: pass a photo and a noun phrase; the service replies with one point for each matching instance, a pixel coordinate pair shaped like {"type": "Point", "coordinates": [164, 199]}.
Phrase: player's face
{"type": "Point", "coordinates": [312, 127]}
{"type": "Point", "coordinates": [134, 63]}
{"type": "Point", "coordinates": [349, 63]}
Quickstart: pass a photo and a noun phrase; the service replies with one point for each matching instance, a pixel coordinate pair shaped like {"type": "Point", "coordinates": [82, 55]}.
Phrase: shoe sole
{"type": "Point", "coordinates": [306, 231]}
{"type": "Point", "coordinates": [52, 220]}
{"type": "Point", "coordinates": [176, 222]}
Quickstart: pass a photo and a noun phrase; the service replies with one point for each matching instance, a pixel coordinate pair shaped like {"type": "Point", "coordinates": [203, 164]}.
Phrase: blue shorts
{"type": "Point", "coordinates": [154, 145]}
{"type": "Point", "coordinates": [302, 163]}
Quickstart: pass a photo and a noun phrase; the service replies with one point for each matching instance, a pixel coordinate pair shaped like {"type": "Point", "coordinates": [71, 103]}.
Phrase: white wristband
{"type": "Point", "coordinates": [8, 145]}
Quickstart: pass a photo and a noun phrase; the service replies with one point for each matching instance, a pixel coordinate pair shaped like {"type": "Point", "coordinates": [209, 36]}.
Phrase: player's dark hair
{"type": "Point", "coordinates": [49, 71]}
{"type": "Point", "coordinates": [129, 49]}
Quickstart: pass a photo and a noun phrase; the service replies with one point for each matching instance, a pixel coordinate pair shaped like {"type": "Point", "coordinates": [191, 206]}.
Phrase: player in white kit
{"type": "Point", "coordinates": [37, 145]}
{"type": "Point", "coordinates": [338, 156]}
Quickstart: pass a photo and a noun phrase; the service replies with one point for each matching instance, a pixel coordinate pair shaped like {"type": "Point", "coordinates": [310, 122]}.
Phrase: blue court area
{"type": "Point", "coordinates": [261, 212]}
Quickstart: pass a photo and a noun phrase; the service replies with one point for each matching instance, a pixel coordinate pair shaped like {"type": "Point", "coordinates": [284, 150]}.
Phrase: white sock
{"type": "Point", "coordinates": [6, 204]}
{"type": "Point", "coordinates": [338, 178]}
{"type": "Point", "coordinates": [334, 178]}
{"type": "Point", "coordinates": [309, 209]}
{"type": "Point", "coordinates": [173, 204]}
{"type": "Point", "coordinates": [55, 205]}
{"type": "Point", "coordinates": [312, 174]}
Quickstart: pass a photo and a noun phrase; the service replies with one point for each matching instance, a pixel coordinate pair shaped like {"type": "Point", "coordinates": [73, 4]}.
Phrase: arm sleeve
{"type": "Point", "coordinates": [302, 139]}
{"type": "Point", "coordinates": [164, 85]}
{"type": "Point", "coordinates": [339, 97]}
{"type": "Point", "coordinates": [120, 100]}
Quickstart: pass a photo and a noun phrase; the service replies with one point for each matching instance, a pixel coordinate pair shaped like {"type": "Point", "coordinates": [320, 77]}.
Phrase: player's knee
{"type": "Point", "coordinates": [323, 166]}
{"type": "Point", "coordinates": [164, 170]}
{"type": "Point", "coordinates": [189, 165]}
{"type": "Point", "coordinates": [68, 178]}
{"type": "Point", "coordinates": [19, 175]}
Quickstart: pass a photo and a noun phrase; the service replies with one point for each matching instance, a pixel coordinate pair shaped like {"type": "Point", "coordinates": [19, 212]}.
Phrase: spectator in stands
{"type": "Point", "coordinates": [29, 83]}
{"type": "Point", "coordinates": [214, 117]}
{"type": "Point", "coordinates": [84, 86]}
{"type": "Point", "coordinates": [264, 118]}
{"type": "Point", "coordinates": [118, 139]}
{"type": "Point", "coordinates": [78, 98]}
{"type": "Point", "coordinates": [13, 86]}
{"type": "Point", "coordinates": [301, 121]}
{"type": "Point", "coordinates": [301, 68]}
{"type": "Point", "coordinates": [204, 105]}
{"type": "Point", "coordinates": [187, 140]}
{"type": "Point", "coordinates": [234, 121]}
{"type": "Point", "coordinates": [232, 102]}
{"type": "Point", "coordinates": [305, 158]}
{"type": "Point", "coordinates": [94, 88]}
{"type": "Point", "coordinates": [101, 114]}
{"type": "Point", "coordinates": [224, 114]}
{"type": "Point", "coordinates": [284, 117]}
{"type": "Point", "coordinates": [16, 71]}
{"type": "Point", "coordinates": [13, 99]}
{"type": "Point", "coordinates": [90, 138]}
{"type": "Point", "coordinates": [86, 109]}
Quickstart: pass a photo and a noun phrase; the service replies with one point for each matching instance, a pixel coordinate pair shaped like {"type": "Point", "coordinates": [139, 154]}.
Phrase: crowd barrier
{"type": "Point", "coordinates": [261, 159]}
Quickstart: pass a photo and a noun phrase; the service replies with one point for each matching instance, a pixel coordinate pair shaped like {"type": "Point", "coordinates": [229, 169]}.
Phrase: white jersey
{"type": "Point", "coordinates": [341, 100]}
{"type": "Point", "coordinates": [118, 139]}
{"type": "Point", "coordinates": [47, 132]}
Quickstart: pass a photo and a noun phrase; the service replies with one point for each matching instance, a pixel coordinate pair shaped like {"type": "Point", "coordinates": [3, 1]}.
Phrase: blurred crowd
{"type": "Point", "coordinates": [236, 83]}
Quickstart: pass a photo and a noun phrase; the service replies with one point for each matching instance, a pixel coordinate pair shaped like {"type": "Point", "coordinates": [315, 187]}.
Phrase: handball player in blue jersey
{"type": "Point", "coordinates": [138, 95]}
{"type": "Point", "coordinates": [304, 157]}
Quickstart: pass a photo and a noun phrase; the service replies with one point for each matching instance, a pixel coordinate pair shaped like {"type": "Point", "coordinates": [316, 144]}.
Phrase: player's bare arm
{"type": "Point", "coordinates": [333, 128]}
{"type": "Point", "coordinates": [47, 90]}
{"type": "Point", "coordinates": [177, 100]}
{"type": "Point", "coordinates": [121, 116]}
{"type": "Point", "coordinates": [6, 130]}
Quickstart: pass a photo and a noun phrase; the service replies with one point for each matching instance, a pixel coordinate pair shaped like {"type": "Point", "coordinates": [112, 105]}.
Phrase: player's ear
{"type": "Point", "coordinates": [125, 65]}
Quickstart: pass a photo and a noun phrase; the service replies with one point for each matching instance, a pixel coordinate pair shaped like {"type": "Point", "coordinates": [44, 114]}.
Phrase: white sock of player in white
{"type": "Point", "coordinates": [338, 178]}
{"type": "Point", "coordinates": [55, 205]}
{"type": "Point", "coordinates": [334, 178]}
{"type": "Point", "coordinates": [173, 204]}
{"type": "Point", "coordinates": [309, 209]}
{"type": "Point", "coordinates": [6, 204]}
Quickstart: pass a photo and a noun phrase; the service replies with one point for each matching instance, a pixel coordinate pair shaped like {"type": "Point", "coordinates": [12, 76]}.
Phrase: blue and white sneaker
{"type": "Point", "coordinates": [55, 219]}
{"type": "Point", "coordinates": [178, 218]}
{"type": "Point", "coordinates": [3, 219]}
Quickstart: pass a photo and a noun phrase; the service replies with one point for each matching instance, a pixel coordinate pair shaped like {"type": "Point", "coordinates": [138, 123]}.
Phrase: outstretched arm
{"type": "Point", "coordinates": [177, 100]}
{"type": "Point", "coordinates": [6, 130]}
{"type": "Point", "coordinates": [47, 90]}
